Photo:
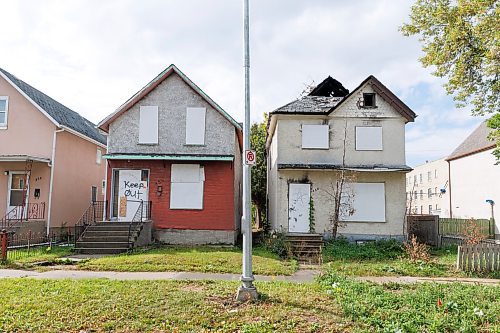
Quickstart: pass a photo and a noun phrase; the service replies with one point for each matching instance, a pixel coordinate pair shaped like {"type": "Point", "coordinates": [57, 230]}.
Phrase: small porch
{"type": "Point", "coordinates": [24, 192]}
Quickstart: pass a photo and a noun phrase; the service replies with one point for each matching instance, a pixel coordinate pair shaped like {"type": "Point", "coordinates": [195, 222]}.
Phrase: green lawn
{"type": "Point", "coordinates": [333, 305]}
{"type": "Point", "coordinates": [427, 307]}
{"type": "Point", "coordinates": [23, 259]}
{"type": "Point", "coordinates": [192, 259]}
{"type": "Point", "coordinates": [387, 258]}
{"type": "Point", "coordinates": [162, 306]}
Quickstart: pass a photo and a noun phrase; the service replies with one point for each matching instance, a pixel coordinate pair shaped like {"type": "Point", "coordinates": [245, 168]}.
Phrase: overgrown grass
{"type": "Point", "coordinates": [192, 259]}
{"type": "Point", "coordinates": [29, 305]}
{"type": "Point", "coordinates": [336, 304]}
{"type": "Point", "coordinates": [428, 307]}
{"type": "Point", "coordinates": [386, 257]}
{"type": "Point", "coordinates": [23, 259]}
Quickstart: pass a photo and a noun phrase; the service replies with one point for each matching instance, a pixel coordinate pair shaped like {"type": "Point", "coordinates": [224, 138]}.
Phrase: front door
{"type": "Point", "coordinates": [16, 193]}
{"type": "Point", "coordinates": [299, 197]}
{"type": "Point", "coordinates": [131, 186]}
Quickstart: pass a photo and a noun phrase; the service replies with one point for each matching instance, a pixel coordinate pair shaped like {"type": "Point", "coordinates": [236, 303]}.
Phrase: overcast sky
{"type": "Point", "coordinates": [92, 55]}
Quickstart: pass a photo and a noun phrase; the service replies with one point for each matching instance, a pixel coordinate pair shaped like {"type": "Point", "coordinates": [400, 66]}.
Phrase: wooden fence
{"type": "Point", "coordinates": [484, 257]}
{"type": "Point", "coordinates": [454, 226]}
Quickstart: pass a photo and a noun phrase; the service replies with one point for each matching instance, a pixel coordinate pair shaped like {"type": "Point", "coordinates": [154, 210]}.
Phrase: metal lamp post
{"type": "Point", "coordinates": [247, 291]}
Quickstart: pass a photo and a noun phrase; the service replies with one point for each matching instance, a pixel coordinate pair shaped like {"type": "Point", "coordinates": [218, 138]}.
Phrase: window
{"type": "Point", "coordinates": [430, 209]}
{"type": "Point", "coordinates": [195, 126]}
{"type": "Point", "coordinates": [186, 190]}
{"type": "Point", "coordinates": [429, 176]}
{"type": "Point", "coordinates": [429, 192]}
{"type": "Point", "coordinates": [421, 194]}
{"type": "Point", "coordinates": [148, 125]}
{"type": "Point", "coordinates": [415, 193]}
{"type": "Point", "coordinates": [368, 202]}
{"type": "Point", "coordinates": [369, 100]}
{"type": "Point", "coordinates": [103, 187]}
{"type": "Point", "coordinates": [98, 156]}
{"type": "Point", "coordinates": [315, 136]}
{"type": "Point", "coordinates": [421, 209]}
{"type": "Point", "coordinates": [415, 179]}
{"type": "Point", "coordinates": [420, 178]}
{"type": "Point", "coordinates": [94, 193]}
{"type": "Point", "coordinates": [369, 138]}
{"type": "Point", "coordinates": [435, 173]}
{"type": "Point", "coordinates": [4, 107]}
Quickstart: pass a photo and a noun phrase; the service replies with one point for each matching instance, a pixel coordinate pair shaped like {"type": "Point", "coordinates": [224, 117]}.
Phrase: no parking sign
{"type": "Point", "coordinates": [250, 157]}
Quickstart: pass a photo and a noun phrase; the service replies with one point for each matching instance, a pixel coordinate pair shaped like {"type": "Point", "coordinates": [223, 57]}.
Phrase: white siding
{"type": "Point", "coordinates": [148, 125]}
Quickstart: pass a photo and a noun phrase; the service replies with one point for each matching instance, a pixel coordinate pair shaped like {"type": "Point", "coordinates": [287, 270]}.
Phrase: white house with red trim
{"type": "Point", "coordinates": [171, 145]}
{"type": "Point", "coordinates": [312, 139]}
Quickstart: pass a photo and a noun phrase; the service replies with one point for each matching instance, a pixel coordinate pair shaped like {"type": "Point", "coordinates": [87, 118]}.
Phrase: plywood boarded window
{"type": "Point", "coordinates": [368, 202]}
{"type": "Point", "coordinates": [369, 138]}
{"type": "Point", "coordinates": [186, 188]}
{"type": "Point", "coordinates": [195, 126]}
{"type": "Point", "coordinates": [315, 136]}
{"type": "Point", "coordinates": [148, 125]}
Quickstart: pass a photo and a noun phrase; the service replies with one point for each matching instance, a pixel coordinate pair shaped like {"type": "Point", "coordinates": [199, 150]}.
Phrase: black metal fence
{"type": "Point", "coordinates": [16, 246]}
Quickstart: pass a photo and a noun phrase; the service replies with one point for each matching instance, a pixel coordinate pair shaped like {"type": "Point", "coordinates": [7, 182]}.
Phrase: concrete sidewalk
{"type": "Point", "coordinates": [301, 276]}
{"type": "Point", "coordinates": [415, 279]}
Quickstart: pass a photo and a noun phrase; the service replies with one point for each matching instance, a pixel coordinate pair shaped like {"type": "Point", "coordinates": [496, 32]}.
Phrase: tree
{"type": "Point", "coordinates": [258, 132]}
{"type": "Point", "coordinates": [494, 123]}
{"type": "Point", "coordinates": [461, 39]}
{"type": "Point", "coordinates": [340, 193]}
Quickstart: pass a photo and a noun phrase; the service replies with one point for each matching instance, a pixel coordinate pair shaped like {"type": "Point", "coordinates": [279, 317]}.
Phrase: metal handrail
{"type": "Point", "coordinates": [93, 213]}
{"type": "Point", "coordinates": [31, 211]}
{"type": "Point", "coordinates": [138, 216]}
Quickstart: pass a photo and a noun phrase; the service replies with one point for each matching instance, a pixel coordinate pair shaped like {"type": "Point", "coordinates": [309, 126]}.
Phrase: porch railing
{"type": "Point", "coordinates": [95, 212]}
{"type": "Point", "coordinates": [143, 213]}
{"type": "Point", "coordinates": [30, 211]}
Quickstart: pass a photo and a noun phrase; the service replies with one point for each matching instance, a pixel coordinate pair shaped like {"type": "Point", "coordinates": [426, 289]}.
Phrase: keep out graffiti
{"type": "Point", "coordinates": [134, 190]}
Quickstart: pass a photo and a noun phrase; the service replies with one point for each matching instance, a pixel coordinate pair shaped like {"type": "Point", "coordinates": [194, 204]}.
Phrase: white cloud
{"type": "Point", "coordinates": [92, 55]}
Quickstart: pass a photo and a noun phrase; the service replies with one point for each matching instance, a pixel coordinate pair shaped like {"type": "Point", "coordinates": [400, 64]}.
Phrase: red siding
{"type": "Point", "coordinates": [218, 196]}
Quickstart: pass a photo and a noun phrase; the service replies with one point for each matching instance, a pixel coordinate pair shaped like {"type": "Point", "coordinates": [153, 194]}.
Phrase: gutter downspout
{"type": "Point", "coordinates": [52, 164]}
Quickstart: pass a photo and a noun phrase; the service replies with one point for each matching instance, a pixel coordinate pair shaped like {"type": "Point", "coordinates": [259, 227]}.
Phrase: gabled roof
{"type": "Point", "coordinates": [59, 114]}
{"type": "Point", "coordinates": [320, 105]}
{"type": "Point", "coordinates": [386, 95]}
{"type": "Point", "coordinates": [104, 124]}
{"type": "Point", "coordinates": [476, 142]}
{"type": "Point", "coordinates": [314, 105]}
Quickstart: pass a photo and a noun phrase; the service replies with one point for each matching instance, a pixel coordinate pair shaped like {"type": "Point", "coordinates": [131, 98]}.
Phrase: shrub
{"type": "Point", "coordinates": [277, 244]}
{"type": "Point", "coordinates": [473, 233]}
{"type": "Point", "coordinates": [377, 250]}
{"type": "Point", "coordinates": [416, 251]}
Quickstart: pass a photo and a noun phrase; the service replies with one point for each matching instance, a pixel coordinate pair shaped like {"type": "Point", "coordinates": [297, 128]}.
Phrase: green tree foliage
{"type": "Point", "coordinates": [461, 40]}
{"type": "Point", "coordinates": [258, 133]}
{"type": "Point", "coordinates": [494, 123]}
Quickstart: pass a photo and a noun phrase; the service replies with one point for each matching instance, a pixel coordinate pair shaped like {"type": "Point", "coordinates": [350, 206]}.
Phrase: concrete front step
{"type": "Point", "coordinates": [106, 233]}
{"type": "Point", "coordinates": [112, 239]}
{"type": "Point", "coordinates": [102, 245]}
{"type": "Point", "coordinates": [110, 228]}
{"type": "Point", "coordinates": [108, 250]}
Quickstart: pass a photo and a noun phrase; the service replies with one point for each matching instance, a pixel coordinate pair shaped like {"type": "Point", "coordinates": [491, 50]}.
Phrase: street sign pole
{"type": "Point", "coordinates": [247, 291]}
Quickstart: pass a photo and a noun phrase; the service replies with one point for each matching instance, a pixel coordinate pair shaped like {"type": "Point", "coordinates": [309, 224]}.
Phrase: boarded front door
{"type": "Point", "coordinates": [299, 196]}
{"type": "Point", "coordinates": [132, 188]}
